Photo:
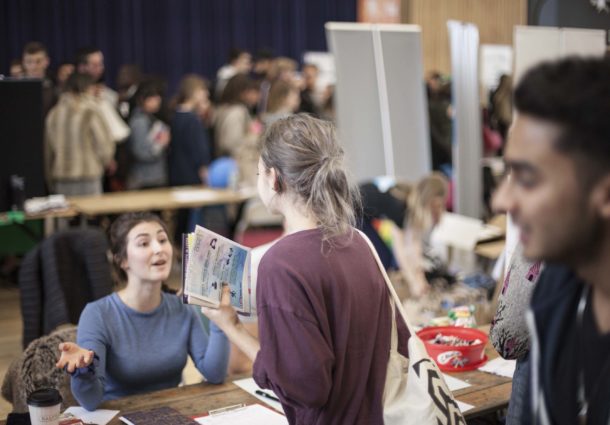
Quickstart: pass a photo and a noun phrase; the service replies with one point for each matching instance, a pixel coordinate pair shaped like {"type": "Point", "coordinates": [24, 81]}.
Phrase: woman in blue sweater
{"type": "Point", "coordinates": [137, 339]}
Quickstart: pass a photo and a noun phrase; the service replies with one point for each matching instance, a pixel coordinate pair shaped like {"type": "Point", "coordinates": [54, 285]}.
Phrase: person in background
{"type": "Point", "coordinates": [308, 92]}
{"type": "Point", "coordinates": [262, 64]}
{"type": "Point", "coordinates": [281, 68]}
{"type": "Point", "coordinates": [440, 116]}
{"type": "Point", "coordinates": [64, 70]}
{"type": "Point", "coordinates": [283, 101]}
{"type": "Point", "coordinates": [189, 153]}
{"type": "Point", "coordinates": [137, 340]}
{"type": "Point", "coordinates": [240, 62]}
{"type": "Point", "coordinates": [78, 143]}
{"type": "Point", "coordinates": [16, 69]}
{"type": "Point", "coordinates": [558, 193]}
{"type": "Point", "coordinates": [127, 81]}
{"type": "Point", "coordinates": [324, 320]}
{"type": "Point", "coordinates": [407, 214]}
{"type": "Point", "coordinates": [148, 141]}
{"type": "Point", "coordinates": [235, 131]}
{"type": "Point", "coordinates": [35, 59]}
{"type": "Point", "coordinates": [90, 60]}
{"type": "Point", "coordinates": [233, 120]}
{"type": "Point", "coordinates": [501, 101]}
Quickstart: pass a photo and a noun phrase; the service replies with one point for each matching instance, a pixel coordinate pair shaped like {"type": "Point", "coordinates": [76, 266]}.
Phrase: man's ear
{"type": "Point", "coordinates": [601, 197]}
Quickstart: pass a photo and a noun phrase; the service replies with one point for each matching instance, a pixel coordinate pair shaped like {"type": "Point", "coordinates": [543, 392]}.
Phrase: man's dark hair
{"type": "Point", "coordinates": [82, 55]}
{"type": "Point", "coordinates": [149, 87]}
{"type": "Point", "coordinates": [263, 54]}
{"type": "Point", "coordinates": [34, 47]}
{"type": "Point", "coordinates": [573, 93]}
{"type": "Point", "coordinates": [235, 53]}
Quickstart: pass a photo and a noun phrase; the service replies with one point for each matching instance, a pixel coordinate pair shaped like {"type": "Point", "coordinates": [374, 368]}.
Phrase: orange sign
{"type": "Point", "coordinates": [379, 11]}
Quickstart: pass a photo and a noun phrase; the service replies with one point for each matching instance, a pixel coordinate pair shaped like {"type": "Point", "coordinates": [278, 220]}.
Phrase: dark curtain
{"type": "Point", "coordinates": [167, 37]}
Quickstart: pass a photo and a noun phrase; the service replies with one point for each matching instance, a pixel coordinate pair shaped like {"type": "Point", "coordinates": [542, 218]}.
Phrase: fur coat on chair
{"type": "Point", "coordinates": [35, 369]}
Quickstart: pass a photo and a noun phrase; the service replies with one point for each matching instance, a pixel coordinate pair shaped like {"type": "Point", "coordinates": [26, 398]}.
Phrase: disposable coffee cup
{"type": "Point", "coordinates": [44, 405]}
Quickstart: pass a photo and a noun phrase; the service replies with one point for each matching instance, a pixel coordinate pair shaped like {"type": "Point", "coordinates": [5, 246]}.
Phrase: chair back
{"type": "Point", "coordinates": [60, 276]}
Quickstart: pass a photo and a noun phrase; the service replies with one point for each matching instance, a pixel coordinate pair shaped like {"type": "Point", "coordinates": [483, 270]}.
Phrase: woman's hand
{"type": "Point", "coordinates": [73, 356]}
{"type": "Point", "coordinates": [226, 319]}
{"type": "Point", "coordinates": [225, 315]}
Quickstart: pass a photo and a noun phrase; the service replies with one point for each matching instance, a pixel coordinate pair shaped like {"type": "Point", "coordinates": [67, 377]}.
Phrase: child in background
{"type": "Point", "coordinates": [149, 140]}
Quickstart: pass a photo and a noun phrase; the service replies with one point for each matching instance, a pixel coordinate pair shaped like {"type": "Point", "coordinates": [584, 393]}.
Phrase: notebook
{"type": "Point", "coordinates": [157, 416]}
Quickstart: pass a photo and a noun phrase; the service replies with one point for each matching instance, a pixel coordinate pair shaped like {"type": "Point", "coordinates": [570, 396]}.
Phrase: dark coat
{"type": "Point", "coordinates": [59, 277]}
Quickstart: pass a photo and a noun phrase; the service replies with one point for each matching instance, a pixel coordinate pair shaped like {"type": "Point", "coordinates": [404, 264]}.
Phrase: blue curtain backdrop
{"type": "Point", "coordinates": [167, 37]}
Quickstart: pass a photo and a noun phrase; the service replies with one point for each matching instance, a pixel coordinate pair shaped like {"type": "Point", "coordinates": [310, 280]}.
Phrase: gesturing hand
{"type": "Point", "coordinates": [73, 356]}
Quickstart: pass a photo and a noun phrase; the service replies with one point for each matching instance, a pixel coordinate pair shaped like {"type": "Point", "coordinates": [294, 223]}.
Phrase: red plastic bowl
{"type": "Point", "coordinates": [455, 359]}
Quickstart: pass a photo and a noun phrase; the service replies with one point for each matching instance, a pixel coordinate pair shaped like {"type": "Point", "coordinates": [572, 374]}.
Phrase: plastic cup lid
{"type": "Point", "coordinates": [44, 397]}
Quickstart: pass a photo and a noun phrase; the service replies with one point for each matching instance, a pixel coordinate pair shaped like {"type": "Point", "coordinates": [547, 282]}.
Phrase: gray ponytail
{"type": "Point", "coordinates": [306, 154]}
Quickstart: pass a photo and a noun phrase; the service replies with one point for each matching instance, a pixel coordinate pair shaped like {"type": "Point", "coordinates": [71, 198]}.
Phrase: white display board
{"type": "Point", "coordinates": [467, 143]}
{"type": "Point", "coordinates": [534, 45]}
{"type": "Point", "coordinates": [380, 99]}
{"type": "Point", "coordinates": [583, 42]}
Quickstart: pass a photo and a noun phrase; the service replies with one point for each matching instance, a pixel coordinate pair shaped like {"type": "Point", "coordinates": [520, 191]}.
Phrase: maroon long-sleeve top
{"type": "Point", "coordinates": [324, 328]}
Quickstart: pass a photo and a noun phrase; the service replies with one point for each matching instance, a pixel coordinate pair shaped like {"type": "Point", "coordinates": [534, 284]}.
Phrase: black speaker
{"type": "Point", "coordinates": [21, 142]}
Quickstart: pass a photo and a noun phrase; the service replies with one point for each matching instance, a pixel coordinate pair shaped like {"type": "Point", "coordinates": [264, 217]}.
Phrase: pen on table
{"type": "Point", "coordinates": [267, 395]}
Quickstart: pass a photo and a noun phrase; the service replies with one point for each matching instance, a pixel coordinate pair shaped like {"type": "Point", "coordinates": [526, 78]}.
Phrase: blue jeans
{"type": "Point", "coordinates": [519, 392]}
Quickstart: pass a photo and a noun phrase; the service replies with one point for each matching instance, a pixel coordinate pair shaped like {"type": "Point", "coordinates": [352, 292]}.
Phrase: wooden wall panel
{"type": "Point", "coordinates": [494, 18]}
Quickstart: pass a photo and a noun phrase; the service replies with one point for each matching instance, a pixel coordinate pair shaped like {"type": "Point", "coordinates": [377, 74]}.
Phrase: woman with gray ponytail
{"type": "Point", "coordinates": [323, 307]}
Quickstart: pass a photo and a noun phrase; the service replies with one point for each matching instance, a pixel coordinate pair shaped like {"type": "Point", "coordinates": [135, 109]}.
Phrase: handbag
{"type": "Point", "coordinates": [415, 391]}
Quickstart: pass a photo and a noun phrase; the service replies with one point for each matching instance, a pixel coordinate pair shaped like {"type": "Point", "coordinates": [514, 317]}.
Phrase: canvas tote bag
{"type": "Point", "coordinates": [415, 391]}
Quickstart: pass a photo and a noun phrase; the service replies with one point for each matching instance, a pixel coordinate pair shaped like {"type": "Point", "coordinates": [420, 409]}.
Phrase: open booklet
{"type": "Point", "coordinates": [208, 261]}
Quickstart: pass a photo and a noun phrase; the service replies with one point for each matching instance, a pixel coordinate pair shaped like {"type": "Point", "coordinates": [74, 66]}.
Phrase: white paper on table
{"type": "Point", "coordinates": [254, 414]}
{"type": "Point", "coordinates": [454, 384]}
{"type": "Point", "coordinates": [99, 416]}
{"type": "Point", "coordinates": [190, 195]}
{"type": "Point", "coordinates": [458, 231]}
{"type": "Point", "coordinates": [250, 386]}
{"type": "Point", "coordinates": [500, 366]}
{"type": "Point", "coordinates": [464, 407]}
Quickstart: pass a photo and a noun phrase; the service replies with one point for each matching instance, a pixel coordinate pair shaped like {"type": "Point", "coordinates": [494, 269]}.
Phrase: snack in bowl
{"type": "Point", "coordinates": [455, 349]}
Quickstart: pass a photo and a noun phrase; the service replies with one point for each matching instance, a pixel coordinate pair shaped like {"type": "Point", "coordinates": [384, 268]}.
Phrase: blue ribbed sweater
{"type": "Point", "coordinates": [142, 352]}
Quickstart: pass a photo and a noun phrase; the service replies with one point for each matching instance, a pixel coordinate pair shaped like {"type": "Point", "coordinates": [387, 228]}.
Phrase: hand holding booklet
{"type": "Point", "coordinates": [211, 260]}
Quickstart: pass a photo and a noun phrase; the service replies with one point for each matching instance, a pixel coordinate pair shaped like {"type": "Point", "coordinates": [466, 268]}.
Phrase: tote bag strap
{"type": "Point", "coordinates": [397, 301]}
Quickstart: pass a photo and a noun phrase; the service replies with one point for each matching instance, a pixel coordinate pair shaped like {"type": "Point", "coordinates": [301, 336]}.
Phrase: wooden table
{"type": "Point", "coordinates": [191, 400]}
{"type": "Point", "coordinates": [168, 198]}
{"type": "Point", "coordinates": [488, 393]}
{"type": "Point", "coordinates": [157, 199]}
